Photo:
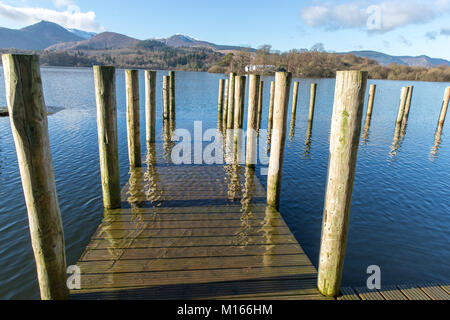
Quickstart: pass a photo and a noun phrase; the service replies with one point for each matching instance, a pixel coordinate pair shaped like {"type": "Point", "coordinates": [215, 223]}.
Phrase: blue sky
{"type": "Point", "coordinates": [402, 27]}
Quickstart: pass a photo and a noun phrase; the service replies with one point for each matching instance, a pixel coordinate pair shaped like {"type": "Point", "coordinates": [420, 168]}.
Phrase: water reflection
{"type": "Point", "coordinates": [397, 141]}
{"type": "Point", "coordinates": [307, 152]}
{"type": "Point", "coordinates": [154, 190]}
{"type": "Point", "coordinates": [437, 142]}
{"type": "Point", "coordinates": [168, 144]}
{"type": "Point", "coordinates": [242, 237]}
{"type": "Point", "coordinates": [292, 129]}
{"type": "Point", "coordinates": [269, 230]}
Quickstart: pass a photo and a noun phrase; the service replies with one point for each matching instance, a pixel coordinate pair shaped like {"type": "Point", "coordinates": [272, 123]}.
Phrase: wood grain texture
{"type": "Point", "coordinates": [133, 118]}
{"type": "Point", "coordinates": [230, 107]}
{"type": "Point", "coordinates": [252, 118]}
{"type": "Point", "coordinates": [150, 105]}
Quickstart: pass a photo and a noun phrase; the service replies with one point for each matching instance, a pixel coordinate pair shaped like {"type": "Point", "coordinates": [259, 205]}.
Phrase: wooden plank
{"type": "Point", "coordinates": [236, 209]}
{"type": "Point", "coordinates": [435, 292]}
{"type": "Point", "coordinates": [185, 252]}
{"type": "Point", "coordinates": [392, 293]}
{"type": "Point", "coordinates": [366, 294]}
{"type": "Point", "coordinates": [446, 288]}
{"type": "Point", "coordinates": [189, 242]}
{"type": "Point", "coordinates": [348, 294]}
{"type": "Point", "coordinates": [204, 263]}
{"type": "Point", "coordinates": [412, 292]}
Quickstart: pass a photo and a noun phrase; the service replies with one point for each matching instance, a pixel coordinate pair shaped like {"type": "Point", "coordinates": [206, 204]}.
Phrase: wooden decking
{"type": "Point", "coordinates": [195, 232]}
{"type": "Point", "coordinates": [398, 292]}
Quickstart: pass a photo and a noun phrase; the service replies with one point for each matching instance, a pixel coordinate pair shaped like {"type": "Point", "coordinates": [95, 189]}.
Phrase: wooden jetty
{"type": "Point", "coordinates": [398, 292]}
{"type": "Point", "coordinates": [209, 236]}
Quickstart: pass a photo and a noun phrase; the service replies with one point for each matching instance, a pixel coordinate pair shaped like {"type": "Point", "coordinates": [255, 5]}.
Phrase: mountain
{"type": "Point", "coordinates": [102, 41]}
{"type": "Point", "coordinates": [385, 59]}
{"type": "Point", "coordinates": [36, 37]}
{"type": "Point", "coordinates": [183, 41]}
{"type": "Point", "coordinates": [83, 34]}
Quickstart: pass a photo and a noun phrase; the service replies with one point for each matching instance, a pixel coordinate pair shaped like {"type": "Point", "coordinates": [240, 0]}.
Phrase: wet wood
{"type": "Point", "coordinates": [312, 102]}
{"type": "Point", "coordinates": [239, 96]}
{"type": "Point", "coordinates": [225, 103]}
{"type": "Point", "coordinates": [133, 121]}
{"type": "Point", "coordinates": [344, 142]}
{"type": "Point", "coordinates": [105, 94]}
{"type": "Point", "coordinates": [172, 95]}
{"type": "Point", "coordinates": [29, 126]}
{"type": "Point", "coordinates": [150, 105]}
{"type": "Point", "coordinates": [166, 97]}
{"type": "Point", "coordinates": [230, 107]}
{"type": "Point", "coordinates": [294, 99]}
{"type": "Point", "coordinates": [260, 104]}
{"type": "Point", "coordinates": [252, 118]}
{"type": "Point", "coordinates": [444, 107]}
{"type": "Point", "coordinates": [220, 103]}
{"type": "Point", "coordinates": [271, 104]}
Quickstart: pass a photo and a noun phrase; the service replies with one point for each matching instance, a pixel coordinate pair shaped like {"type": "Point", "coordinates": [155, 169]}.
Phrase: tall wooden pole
{"type": "Point", "coordinates": [220, 103]}
{"type": "Point", "coordinates": [105, 94]}
{"type": "Point", "coordinates": [166, 97]}
{"type": "Point", "coordinates": [281, 101]}
{"type": "Point", "coordinates": [407, 105]}
{"type": "Point", "coordinates": [260, 104]}
{"type": "Point", "coordinates": [172, 95]}
{"type": "Point", "coordinates": [444, 107]}
{"type": "Point", "coordinates": [253, 97]}
{"type": "Point", "coordinates": [401, 108]}
{"type": "Point", "coordinates": [344, 141]}
{"type": "Point", "coordinates": [271, 104]}
{"type": "Point", "coordinates": [239, 96]}
{"type": "Point", "coordinates": [294, 100]}
{"type": "Point", "coordinates": [133, 122]}
{"type": "Point", "coordinates": [225, 104]}
{"type": "Point", "coordinates": [28, 117]}
{"type": "Point", "coordinates": [230, 116]}
{"type": "Point", "coordinates": [372, 91]}
{"type": "Point", "coordinates": [312, 102]}
{"type": "Point", "coordinates": [150, 105]}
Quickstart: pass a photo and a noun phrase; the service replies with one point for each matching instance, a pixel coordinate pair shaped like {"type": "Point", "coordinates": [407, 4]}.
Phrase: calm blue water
{"type": "Point", "coordinates": [400, 214]}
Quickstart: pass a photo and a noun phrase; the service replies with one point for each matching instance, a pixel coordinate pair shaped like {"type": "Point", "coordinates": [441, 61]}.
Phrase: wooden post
{"type": "Point", "coordinates": [401, 108]}
{"type": "Point", "coordinates": [166, 97]}
{"type": "Point", "coordinates": [172, 95]}
{"type": "Point", "coordinates": [271, 103]}
{"type": "Point", "coordinates": [29, 126]}
{"type": "Point", "coordinates": [344, 141]}
{"type": "Point", "coordinates": [253, 105]}
{"type": "Point", "coordinates": [105, 94]}
{"type": "Point", "coordinates": [294, 100]}
{"type": "Point", "coordinates": [281, 105]}
{"type": "Point", "coordinates": [372, 91]}
{"type": "Point", "coordinates": [150, 105]}
{"type": "Point", "coordinates": [133, 130]}
{"type": "Point", "coordinates": [225, 104]}
{"type": "Point", "coordinates": [312, 102]}
{"type": "Point", "coordinates": [239, 96]}
{"type": "Point", "coordinates": [220, 104]}
{"type": "Point", "coordinates": [230, 116]}
{"type": "Point", "coordinates": [407, 105]}
{"type": "Point", "coordinates": [260, 103]}
{"type": "Point", "coordinates": [444, 107]}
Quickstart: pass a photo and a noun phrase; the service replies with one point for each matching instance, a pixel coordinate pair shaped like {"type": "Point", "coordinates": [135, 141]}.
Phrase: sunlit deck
{"type": "Point", "coordinates": [195, 232]}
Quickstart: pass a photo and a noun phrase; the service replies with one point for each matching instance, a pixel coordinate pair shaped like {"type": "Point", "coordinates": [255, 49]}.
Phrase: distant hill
{"type": "Point", "coordinates": [385, 59]}
{"type": "Point", "coordinates": [36, 37]}
{"type": "Point", "coordinates": [183, 41]}
{"type": "Point", "coordinates": [83, 34]}
{"type": "Point", "coordinates": [102, 41]}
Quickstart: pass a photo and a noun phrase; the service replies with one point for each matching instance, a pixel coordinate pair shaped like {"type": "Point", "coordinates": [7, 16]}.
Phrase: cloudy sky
{"type": "Point", "coordinates": [402, 27]}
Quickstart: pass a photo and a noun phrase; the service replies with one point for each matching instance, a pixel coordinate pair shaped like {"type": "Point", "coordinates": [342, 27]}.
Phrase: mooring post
{"type": "Point", "coordinates": [239, 96]}
{"type": "Point", "coordinates": [220, 103]}
{"type": "Point", "coordinates": [344, 141]}
{"type": "Point", "coordinates": [401, 108]}
{"type": "Point", "coordinates": [294, 100]}
{"type": "Point", "coordinates": [271, 103]}
{"type": "Point", "coordinates": [253, 96]}
{"type": "Point", "coordinates": [225, 104]}
{"type": "Point", "coordinates": [281, 105]}
{"type": "Point", "coordinates": [150, 105]}
{"type": "Point", "coordinates": [172, 95]}
{"type": "Point", "coordinates": [312, 103]}
{"type": "Point", "coordinates": [166, 97]}
{"type": "Point", "coordinates": [444, 107]}
{"type": "Point", "coordinates": [230, 107]}
{"type": "Point", "coordinates": [372, 91]}
{"type": "Point", "coordinates": [105, 95]}
{"type": "Point", "coordinates": [29, 126]}
{"type": "Point", "coordinates": [260, 104]}
{"type": "Point", "coordinates": [133, 123]}
{"type": "Point", "coordinates": [407, 106]}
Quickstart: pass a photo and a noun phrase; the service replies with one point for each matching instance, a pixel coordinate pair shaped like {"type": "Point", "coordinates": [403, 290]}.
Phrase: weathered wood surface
{"type": "Point", "coordinates": [397, 292]}
{"type": "Point", "coordinates": [195, 245]}
{"type": "Point", "coordinates": [271, 104]}
{"type": "Point", "coordinates": [29, 126]}
{"type": "Point", "coordinates": [344, 142]}
{"type": "Point", "coordinates": [105, 94]}
{"type": "Point", "coordinates": [133, 118]}
{"type": "Point", "coordinates": [260, 104]}
{"type": "Point", "coordinates": [150, 105]}
{"type": "Point", "coordinates": [230, 106]}
{"type": "Point", "coordinates": [252, 118]}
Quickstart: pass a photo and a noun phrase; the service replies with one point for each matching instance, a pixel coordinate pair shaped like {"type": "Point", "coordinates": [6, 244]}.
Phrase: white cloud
{"type": "Point", "coordinates": [70, 17]}
{"type": "Point", "coordinates": [391, 14]}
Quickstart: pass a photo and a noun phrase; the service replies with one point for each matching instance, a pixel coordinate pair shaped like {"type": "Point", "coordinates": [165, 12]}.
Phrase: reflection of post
{"type": "Point", "coordinates": [308, 141]}
{"type": "Point", "coordinates": [167, 141]}
{"type": "Point", "coordinates": [344, 142]}
{"type": "Point", "coordinates": [234, 186]}
{"type": "Point", "coordinates": [246, 202]}
{"type": "Point", "coordinates": [29, 126]}
{"type": "Point", "coordinates": [230, 116]}
{"type": "Point", "coordinates": [134, 138]}
{"type": "Point", "coordinates": [260, 104]}
{"type": "Point", "coordinates": [282, 88]}
{"type": "Point", "coordinates": [136, 193]}
{"type": "Point", "coordinates": [252, 120]}
{"type": "Point", "coordinates": [150, 105]}
{"type": "Point", "coordinates": [105, 93]}
{"type": "Point", "coordinates": [225, 105]}
{"type": "Point", "coordinates": [368, 120]}
{"type": "Point", "coordinates": [154, 192]}
{"type": "Point", "coordinates": [269, 230]}
{"type": "Point", "coordinates": [437, 142]}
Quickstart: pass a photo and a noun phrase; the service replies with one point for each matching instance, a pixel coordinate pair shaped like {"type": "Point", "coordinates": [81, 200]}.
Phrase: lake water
{"type": "Point", "coordinates": [400, 214]}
